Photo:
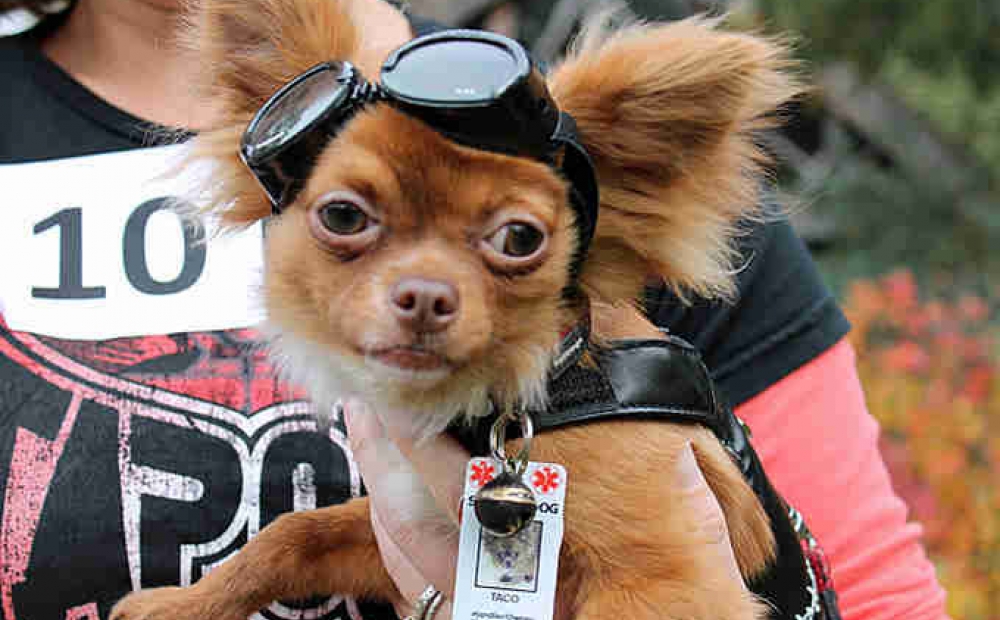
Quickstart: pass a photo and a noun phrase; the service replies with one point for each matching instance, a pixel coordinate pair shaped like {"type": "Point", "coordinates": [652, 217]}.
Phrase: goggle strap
{"type": "Point", "coordinates": [578, 169]}
{"type": "Point", "coordinates": [369, 92]}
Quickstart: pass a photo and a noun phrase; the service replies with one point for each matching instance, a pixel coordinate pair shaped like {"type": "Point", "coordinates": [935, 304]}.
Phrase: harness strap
{"type": "Point", "coordinates": [662, 378]}
{"type": "Point", "coordinates": [666, 379]}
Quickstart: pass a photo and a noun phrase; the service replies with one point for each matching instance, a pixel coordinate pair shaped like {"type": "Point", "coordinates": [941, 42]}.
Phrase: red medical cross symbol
{"type": "Point", "coordinates": [482, 472]}
{"type": "Point", "coordinates": [545, 479]}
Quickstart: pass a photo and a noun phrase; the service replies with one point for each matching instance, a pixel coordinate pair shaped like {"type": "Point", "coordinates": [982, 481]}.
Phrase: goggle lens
{"type": "Point", "coordinates": [457, 73]}
{"type": "Point", "coordinates": [297, 108]}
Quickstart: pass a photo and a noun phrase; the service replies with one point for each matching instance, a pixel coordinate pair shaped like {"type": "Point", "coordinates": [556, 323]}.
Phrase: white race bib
{"type": "Point", "coordinates": [90, 249]}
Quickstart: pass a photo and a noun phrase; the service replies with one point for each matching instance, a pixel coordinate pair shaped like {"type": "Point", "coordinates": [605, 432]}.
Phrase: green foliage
{"type": "Point", "coordinates": [885, 219]}
{"type": "Point", "coordinates": [951, 100]}
{"type": "Point", "coordinates": [935, 35]}
{"type": "Point", "coordinates": [941, 58]}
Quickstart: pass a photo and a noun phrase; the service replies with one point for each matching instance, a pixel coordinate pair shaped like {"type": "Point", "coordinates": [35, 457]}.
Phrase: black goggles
{"type": "Point", "coordinates": [477, 88]}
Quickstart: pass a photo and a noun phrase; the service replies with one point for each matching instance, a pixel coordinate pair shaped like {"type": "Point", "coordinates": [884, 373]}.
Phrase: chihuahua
{"type": "Point", "coordinates": [426, 275]}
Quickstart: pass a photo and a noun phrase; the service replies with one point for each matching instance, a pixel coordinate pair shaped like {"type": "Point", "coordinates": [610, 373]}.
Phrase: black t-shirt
{"type": "Point", "coordinates": [143, 436]}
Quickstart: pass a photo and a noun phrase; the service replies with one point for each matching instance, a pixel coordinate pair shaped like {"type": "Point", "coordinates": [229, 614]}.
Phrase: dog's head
{"type": "Point", "coordinates": [418, 272]}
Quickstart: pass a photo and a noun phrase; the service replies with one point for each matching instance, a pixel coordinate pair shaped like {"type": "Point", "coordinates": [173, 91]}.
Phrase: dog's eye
{"type": "Point", "coordinates": [517, 240]}
{"type": "Point", "coordinates": [344, 224]}
{"type": "Point", "coordinates": [343, 218]}
{"type": "Point", "coordinates": [514, 242]}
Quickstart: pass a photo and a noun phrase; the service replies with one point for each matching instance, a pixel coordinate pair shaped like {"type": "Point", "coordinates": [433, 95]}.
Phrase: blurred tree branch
{"type": "Point", "coordinates": [913, 145]}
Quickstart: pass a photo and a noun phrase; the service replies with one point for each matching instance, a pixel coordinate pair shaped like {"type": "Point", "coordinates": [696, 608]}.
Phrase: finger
{"type": "Point", "coordinates": [409, 577]}
{"type": "Point", "coordinates": [440, 460]}
{"type": "Point", "coordinates": [706, 509]}
{"type": "Point", "coordinates": [418, 543]}
{"type": "Point", "coordinates": [389, 477]}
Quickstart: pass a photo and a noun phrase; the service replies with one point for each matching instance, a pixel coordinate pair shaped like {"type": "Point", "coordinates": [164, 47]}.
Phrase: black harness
{"type": "Point", "coordinates": [666, 379]}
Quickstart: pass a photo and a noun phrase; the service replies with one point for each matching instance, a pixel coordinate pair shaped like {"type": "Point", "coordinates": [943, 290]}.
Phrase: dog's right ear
{"type": "Point", "coordinates": [672, 116]}
{"type": "Point", "coordinates": [248, 50]}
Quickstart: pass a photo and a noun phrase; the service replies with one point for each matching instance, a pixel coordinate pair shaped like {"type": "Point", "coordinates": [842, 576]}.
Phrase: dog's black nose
{"type": "Point", "coordinates": [424, 305]}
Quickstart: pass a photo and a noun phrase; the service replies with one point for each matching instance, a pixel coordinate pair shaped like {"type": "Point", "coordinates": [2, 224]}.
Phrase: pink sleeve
{"type": "Point", "coordinates": [819, 448]}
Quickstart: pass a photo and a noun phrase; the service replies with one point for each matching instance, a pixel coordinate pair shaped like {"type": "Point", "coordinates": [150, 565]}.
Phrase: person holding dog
{"type": "Point", "coordinates": [98, 426]}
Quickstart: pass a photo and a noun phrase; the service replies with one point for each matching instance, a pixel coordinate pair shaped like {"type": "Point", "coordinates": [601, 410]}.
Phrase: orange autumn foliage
{"type": "Point", "coordinates": [931, 371]}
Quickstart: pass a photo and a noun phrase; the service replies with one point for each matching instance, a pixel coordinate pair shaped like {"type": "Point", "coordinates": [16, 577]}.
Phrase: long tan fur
{"type": "Point", "coordinates": [671, 115]}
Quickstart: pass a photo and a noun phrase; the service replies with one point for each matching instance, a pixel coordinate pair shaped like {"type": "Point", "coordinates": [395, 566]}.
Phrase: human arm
{"type": "Point", "coordinates": [819, 446]}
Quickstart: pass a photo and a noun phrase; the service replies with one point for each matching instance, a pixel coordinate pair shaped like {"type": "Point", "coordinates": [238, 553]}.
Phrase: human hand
{"type": "Point", "coordinates": [415, 492]}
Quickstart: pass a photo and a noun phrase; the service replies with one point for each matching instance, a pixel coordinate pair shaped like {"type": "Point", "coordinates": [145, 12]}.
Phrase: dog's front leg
{"type": "Point", "coordinates": [324, 551]}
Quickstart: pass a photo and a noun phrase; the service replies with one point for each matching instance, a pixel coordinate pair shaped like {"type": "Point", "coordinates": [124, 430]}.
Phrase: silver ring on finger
{"type": "Point", "coordinates": [427, 604]}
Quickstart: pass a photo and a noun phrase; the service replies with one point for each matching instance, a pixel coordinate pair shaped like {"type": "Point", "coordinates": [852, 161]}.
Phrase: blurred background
{"type": "Point", "coordinates": [891, 172]}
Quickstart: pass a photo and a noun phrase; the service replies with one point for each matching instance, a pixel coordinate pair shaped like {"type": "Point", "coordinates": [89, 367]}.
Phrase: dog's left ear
{"type": "Point", "coordinates": [671, 116]}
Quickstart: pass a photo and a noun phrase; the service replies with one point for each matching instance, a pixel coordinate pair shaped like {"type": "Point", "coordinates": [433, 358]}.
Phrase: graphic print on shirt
{"type": "Point", "coordinates": [131, 460]}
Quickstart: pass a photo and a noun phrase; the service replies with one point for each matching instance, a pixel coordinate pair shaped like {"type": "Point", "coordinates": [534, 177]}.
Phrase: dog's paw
{"type": "Point", "coordinates": [168, 604]}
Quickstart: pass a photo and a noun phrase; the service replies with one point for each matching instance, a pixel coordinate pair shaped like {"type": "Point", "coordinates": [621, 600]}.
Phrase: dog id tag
{"type": "Point", "coordinates": [506, 577]}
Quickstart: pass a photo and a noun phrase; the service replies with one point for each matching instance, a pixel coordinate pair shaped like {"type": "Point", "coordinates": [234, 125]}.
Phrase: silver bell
{"type": "Point", "coordinates": [505, 505]}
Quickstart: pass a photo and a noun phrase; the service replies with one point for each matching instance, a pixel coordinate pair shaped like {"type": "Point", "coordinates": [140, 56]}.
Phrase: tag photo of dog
{"type": "Point", "coordinates": [510, 562]}
{"type": "Point", "coordinates": [409, 267]}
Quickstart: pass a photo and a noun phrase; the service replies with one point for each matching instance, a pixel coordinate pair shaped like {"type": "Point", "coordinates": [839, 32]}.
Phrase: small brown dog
{"type": "Point", "coordinates": [668, 114]}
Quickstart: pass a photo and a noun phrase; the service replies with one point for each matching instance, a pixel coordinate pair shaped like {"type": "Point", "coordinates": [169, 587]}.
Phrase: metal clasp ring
{"type": "Point", "coordinates": [498, 437]}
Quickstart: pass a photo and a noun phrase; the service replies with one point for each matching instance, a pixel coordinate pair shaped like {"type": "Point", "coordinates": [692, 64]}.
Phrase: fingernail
{"type": "Point", "coordinates": [347, 410]}
{"type": "Point", "coordinates": [688, 473]}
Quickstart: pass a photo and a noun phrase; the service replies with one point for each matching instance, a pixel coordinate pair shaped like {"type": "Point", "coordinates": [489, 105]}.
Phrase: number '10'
{"type": "Point", "coordinates": [70, 223]}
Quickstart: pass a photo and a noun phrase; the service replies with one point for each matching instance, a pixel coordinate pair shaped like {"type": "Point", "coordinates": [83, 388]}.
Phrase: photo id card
{"type": "Point", "coordinates": [511, 578]}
